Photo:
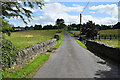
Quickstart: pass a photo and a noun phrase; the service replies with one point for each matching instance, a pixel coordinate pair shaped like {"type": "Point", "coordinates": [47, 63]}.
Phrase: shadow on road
{"type": "Point", "coordinates": [112, 71]}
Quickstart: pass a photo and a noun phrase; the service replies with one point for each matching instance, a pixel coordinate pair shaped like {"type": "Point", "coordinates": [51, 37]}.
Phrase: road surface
{"type": "Point", "coordinates": [71, 60]}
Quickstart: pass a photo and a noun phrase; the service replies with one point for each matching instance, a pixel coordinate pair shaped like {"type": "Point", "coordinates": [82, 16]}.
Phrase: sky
{"type": "Point", "coordinates": [99, 12]}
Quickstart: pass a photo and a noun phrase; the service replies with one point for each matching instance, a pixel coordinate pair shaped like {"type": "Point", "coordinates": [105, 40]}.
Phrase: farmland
{"type": "Point", "coordinates": [107, 33]}
{"type": "Point", "coordinates": [23, 39]}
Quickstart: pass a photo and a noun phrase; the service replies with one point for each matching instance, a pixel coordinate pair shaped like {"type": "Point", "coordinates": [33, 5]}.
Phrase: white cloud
{"type": "Point", "coordinates": [110, 9]}
{"type": "Point", "coordinates": [106, 20]}
{"type": "Point", "coordinates": [53, 11]}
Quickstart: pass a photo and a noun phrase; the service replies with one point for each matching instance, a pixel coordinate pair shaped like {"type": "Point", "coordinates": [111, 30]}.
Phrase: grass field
{"type": "Point", "coordinates": [110, 32]}
{"type": "Point", "coordinates": [104, 32]}
{"type": "Point", "coordinates": [76, 32]}
{"type": "Point", "coordinates": [30, 68]}
{"type": "Point", "coordinates": [113, 42]}
{"type": "Point", "coordinates": [23, 39]}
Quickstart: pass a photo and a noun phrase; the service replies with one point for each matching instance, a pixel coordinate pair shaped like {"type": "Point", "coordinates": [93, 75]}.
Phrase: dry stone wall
{"type": "Point", "coordinates": [33, 50]}
{"type": "Point", "coordinates": [104, 50]}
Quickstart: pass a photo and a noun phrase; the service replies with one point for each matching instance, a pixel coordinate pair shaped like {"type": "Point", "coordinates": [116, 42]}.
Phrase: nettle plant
{"type": "Point", "coordinates": [8, 54]}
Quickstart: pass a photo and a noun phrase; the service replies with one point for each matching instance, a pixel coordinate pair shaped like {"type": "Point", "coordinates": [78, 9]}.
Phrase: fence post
{"type": "Point", "coordinates": [110, 37]}
{"type": "Point", "coordinates": [105, 37]}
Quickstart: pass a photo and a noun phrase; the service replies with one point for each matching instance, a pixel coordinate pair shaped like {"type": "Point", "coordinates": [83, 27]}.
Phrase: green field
{"type": "Point", "coordinates": [104, 32]}
{"type": "Point", "coordinates": [110, 32]}
{"type": "Point", "coordinates": [30, 68]}
{"type": "Point", "coordinates": [76, 32]}
{"type": "Point", "coordinates": [113, 42]}
{"type": "Point", "coordinates": [23, 39]}
{"type": "Point", "coordinates": [114, 35]}
{"type": "Point", "coordinates": [113, 32]}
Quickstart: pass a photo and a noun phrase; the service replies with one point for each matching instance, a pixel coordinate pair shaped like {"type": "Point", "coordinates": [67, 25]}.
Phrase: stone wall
{"type": "Point", "coordinates": [33, 50]}
{"type": "Point", "coordinates": [104, 50]}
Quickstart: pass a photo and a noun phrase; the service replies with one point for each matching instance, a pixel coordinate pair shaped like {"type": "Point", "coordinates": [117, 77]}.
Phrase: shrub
{"type": "Point", "coordinates": [8, 53]}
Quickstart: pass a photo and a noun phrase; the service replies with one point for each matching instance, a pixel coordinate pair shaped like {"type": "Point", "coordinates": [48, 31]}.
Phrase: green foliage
{"type": "Point", "coordinates": [117, 26]}
{"type": "Point", "coordinates": [6, 27]}
{"type": "Point", "coordinates": [89, 30]}
{"type": "Point", "coordinates": [60, 23]}
{"type": "Point", "coordinates": [28, 70]}
{"type": "Point", "coordinates": [69, 27]}
{"type": "Point", "coordinates": [19, 9]}
{"type": "Point", "coordinates": [8, 53]}
{"type": "Point", "coordinates": [38, 27]}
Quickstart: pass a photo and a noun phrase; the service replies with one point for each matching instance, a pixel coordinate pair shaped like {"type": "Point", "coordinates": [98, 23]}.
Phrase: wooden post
{"type": "Point", "coordinates": [80, 25]}
{"type": "Point", "coordinates": [80, 22]}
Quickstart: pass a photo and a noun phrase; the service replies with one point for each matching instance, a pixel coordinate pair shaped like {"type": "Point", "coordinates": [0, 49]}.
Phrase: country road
{"type": "Point", "coordinates": [71, 60]}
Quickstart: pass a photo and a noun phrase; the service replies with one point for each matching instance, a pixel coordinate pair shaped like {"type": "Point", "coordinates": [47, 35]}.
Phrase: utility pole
{"type": "Point", "coordinates": [80, 22]}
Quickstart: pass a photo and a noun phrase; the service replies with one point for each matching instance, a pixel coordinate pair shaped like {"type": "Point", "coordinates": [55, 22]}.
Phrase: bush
{"type": "Point", "coordinates": [8, 53]}
{"type": "Point", "coordinates": [57, 37]}
{"type": "Point", "coordinates": [59, 31]}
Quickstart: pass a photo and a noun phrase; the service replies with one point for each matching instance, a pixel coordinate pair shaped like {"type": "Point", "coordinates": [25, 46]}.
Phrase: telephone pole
{"type": "Point", "coordinates": [80, 22]}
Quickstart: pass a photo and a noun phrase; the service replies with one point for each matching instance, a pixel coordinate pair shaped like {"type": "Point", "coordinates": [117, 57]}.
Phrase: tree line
{"type": "Point", "coordinates": [97, 26]}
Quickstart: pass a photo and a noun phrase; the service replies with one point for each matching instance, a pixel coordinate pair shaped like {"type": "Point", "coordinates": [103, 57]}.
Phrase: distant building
{"type": "Point", "coordinates": [19, 28]}
{"type": "Point", "coordinates": [29, 28]}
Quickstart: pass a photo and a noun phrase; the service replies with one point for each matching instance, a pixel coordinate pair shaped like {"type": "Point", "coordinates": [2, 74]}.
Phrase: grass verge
{"type": "Point", "coordinates": [83, 45]}
{"type": "Point", "coordinates": [60, 41]}
{"type": "Point", "coordinates": [30, 68]}
{"type": "Point", "coordinates": [70, 33]}
{"type": "Point", "coordinates": [79, 42]}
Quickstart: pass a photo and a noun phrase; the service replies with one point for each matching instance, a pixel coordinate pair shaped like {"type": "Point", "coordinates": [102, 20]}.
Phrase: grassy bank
{"type": "Point", "coordinates": [30, 68]}
{"type": "Point", "coordinates": [23, 39]}
{"type": "Point", "coordinates": [61, 35]}
{"type": "Point", "coordinates": [81, 44]}
{"type": "Point", "coordinates": [70, 34]}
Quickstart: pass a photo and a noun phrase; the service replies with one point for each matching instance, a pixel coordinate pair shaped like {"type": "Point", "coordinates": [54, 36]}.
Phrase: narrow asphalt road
{"type": "Point", "coordinates": [71, 60]}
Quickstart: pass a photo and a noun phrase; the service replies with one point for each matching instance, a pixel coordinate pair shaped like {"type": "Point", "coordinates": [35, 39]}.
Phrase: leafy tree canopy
{"type": "Point", "coordinates": [17, 9]}
{"type": "Point", "coordinates": [60, 23]}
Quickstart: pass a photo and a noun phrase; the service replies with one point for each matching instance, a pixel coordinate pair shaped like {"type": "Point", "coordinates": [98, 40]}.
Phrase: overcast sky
{"type": "Point", "coordinates": [98, 12]}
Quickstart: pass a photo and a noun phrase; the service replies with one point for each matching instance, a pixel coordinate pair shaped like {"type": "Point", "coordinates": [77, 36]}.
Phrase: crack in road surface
{"type": "Point", "coordinates": [73, 61]}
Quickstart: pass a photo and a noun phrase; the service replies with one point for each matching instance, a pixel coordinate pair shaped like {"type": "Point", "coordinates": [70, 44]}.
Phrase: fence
{"type": "Point", "coordinates": [110, 37]}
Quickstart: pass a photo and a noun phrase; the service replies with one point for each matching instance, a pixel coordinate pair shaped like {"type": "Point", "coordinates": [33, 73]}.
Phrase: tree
{"type": "Point", "coordinates": [16, 9]}
{"type": "Point", "coordinates": [38, 27]}
{"type": "Point", "coordinates": [26, 27]}
{"type": "Point", "coordinates": [89, 29]}
{"type": "Point", "coordinates": [48, 27]}
{"type": "Point", "coordinates": [6, 27]}
{"type": "Point", "coordinates": [117, 26]}
{"type": "Point", "coordinates": [60, 23]}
